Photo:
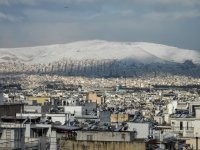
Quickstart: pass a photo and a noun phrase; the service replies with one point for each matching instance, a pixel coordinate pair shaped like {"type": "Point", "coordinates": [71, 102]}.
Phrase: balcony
{"type": "Point", "coordinates": [184, 131]}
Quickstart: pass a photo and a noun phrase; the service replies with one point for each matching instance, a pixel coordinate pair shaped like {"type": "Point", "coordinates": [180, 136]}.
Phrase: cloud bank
{"type": "Point", "coordinates": [41, 22]}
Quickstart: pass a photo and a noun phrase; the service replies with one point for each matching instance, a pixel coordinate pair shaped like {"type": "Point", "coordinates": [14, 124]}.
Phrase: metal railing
{"type": "Point", "coordinates": [178, 128]}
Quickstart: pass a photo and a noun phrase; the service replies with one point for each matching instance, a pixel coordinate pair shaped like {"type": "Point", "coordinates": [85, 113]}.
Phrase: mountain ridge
{"type": "Point", "coordinates": [101, 59]}
{"type": "Point", "coordinates": [141, 52]}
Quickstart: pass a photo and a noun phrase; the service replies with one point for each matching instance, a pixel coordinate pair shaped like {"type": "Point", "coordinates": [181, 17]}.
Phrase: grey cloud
{"type": "Point", "coordinates": [10, 18]}
{"type": "Point", "coordinates": [4, 2]}
{"type": "Point", "coordinates": [173, 16]}
{"type": "Point", "coordinates": [39, 22]}
{"type": "Point", "coordinates": [14, 2]}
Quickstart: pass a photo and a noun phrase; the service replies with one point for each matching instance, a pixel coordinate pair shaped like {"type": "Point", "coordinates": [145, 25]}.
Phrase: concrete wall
{"type": "Point", "coordinates": [28, 115]}
{"type": "Point", "coordinates": [78, 110]}
{"type": "Point", "coordinates": [119, 117]}
{"type": "Point", "coordinates": [84, 118]}
{"type": "Point", "coordinates": [92, 96]}
{"type": "Point", "coordinates": [89, 107]}
{"type": "Point", "coordinates": [34, 109]}
{"type": "Point", "coordinates": [39, 100]}
{"type": "Point", "coordinates": [192, 107]}
{"type": "Point", "coordinates": [196, 125]}
{"type": "Point", "coordinates": [88, 145]}
{"type": "Point", "coordinates": [105, 116]}
{"type": "Point", "coordinates": [54, 117]}
{"type": "Point", "coordinates": [142, 129]}
{"type": "Point", "coordinates": [104, 136]}
{"type": "Point", "coordinates": [197, 112]}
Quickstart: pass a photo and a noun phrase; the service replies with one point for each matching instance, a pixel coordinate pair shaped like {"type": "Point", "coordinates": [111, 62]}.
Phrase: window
{"type": "Point", "coordinates": [187, 125]}
{"type": "Point", "coordinates": [181, 125]}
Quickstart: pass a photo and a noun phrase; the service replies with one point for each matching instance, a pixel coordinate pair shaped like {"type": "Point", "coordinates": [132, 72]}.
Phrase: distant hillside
{"type": "Point", "coordinates": [100, 58]}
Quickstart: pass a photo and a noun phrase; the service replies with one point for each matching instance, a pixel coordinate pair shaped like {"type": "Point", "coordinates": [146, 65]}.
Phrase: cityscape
{"type": "Point", "coordinates": [58, 112]}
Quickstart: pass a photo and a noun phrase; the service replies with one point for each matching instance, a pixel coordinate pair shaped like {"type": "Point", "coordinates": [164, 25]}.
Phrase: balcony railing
{"type": "Point", "coordinates": [178, 128]}
{"type": "Point", "coordinates": [183, 131]}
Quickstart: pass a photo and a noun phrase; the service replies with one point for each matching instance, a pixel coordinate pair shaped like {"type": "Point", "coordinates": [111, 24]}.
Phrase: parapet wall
{"type": "Point", "coordinates": [89, 145]}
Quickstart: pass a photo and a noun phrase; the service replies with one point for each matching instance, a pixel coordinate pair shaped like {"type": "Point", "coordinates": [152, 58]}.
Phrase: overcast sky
{"type": "Point", "coordinates": [42, 22]}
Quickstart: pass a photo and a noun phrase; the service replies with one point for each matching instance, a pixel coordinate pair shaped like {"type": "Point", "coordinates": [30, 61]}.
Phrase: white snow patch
{"type": "Point", "coordinates": [99, 50]}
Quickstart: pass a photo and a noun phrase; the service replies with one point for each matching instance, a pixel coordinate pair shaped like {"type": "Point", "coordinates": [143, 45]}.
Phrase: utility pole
{"type": "Point", "coordinates": [197, 141]}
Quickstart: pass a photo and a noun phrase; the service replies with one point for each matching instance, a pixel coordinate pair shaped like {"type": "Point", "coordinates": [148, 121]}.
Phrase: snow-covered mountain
{"type": "Point", "coordinates": [99, 50]}
{"type": "Point", "coordinates": [100, 58]}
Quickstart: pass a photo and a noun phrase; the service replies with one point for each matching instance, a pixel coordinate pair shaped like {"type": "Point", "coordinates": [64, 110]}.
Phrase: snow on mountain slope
{"type": "Point", "coordinates": [96, 49]}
